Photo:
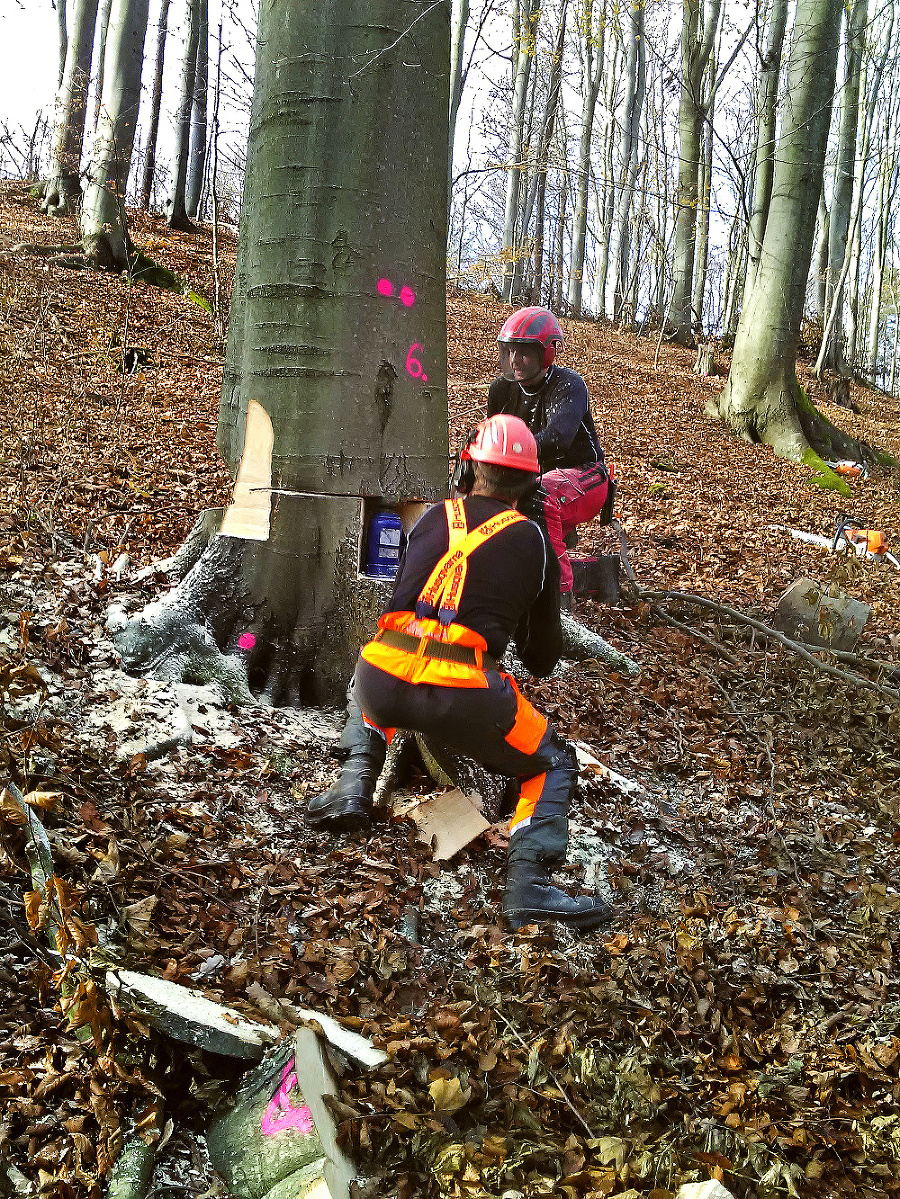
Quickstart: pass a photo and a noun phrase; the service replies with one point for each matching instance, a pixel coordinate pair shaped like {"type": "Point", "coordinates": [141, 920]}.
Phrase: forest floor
{"type": "Point", "coordinates": [740, 1017]}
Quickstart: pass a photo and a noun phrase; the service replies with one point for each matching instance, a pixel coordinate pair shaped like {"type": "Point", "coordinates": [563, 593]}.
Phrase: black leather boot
{"type": "Point", "coordinates": [530, 898]}
{"type": "Point", "coordinates": [346, 807]}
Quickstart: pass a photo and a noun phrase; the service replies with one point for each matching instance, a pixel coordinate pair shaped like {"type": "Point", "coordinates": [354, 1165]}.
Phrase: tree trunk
{"type": "Point", "coordinates": [335, 389]}
{"type": "Point", "coordinates": [761, 400]}
{"type": "Point", "coordinates": [820, 259]}
{"type": "Point", "coordinates": [877, 276]}
{"type": "Point", "coordinates": [62, 190]}
{"type": "Point", "coordinates": [632, 110]}
{"type": "Point", "coordinates": [155, 104]}
{"type": "Point", "coordinates": [521, 259]}
{"type": "Point", "coordinates": [197, 153]}
{"type": "Point", "coordinates": [178, 217]}
{"type": "Point", "coordinates": [591, 33]}
{"type": "Point", "coordinates": [604, 196]}
{"type": "Point", "coordinates": [704, 195]}
{"type": "Point", "coordinates": [103, 29]}
{"type": "Point", "coordinates": [103, 229]}
{"type": "Point", "coordinates": [63, 40]}
{"type": "Point", "coordinates": [457, 74]}
{"type": "Point", "coordinates": [844, 172]}
{"type": "Point", "coordinates": [547, 128]}
{"type": "Point", "coordinates": [525, 18]}
{"type": "Point", "coordinates": [834, 332]}
{"type": "Point", "coordinates": [765, 137]}
{"type": "Point", "coordinates": [695, 52]}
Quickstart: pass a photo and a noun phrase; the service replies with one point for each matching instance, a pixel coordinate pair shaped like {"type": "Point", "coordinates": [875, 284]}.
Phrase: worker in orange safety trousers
{"type": "Point", "coordinates": [553, 401]}
{"type": "Point", "coordinates": [475, 573]}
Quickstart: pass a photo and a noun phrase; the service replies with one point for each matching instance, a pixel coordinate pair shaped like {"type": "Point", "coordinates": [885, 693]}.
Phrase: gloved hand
{"type": "Point", "coordinates": [531, 502]}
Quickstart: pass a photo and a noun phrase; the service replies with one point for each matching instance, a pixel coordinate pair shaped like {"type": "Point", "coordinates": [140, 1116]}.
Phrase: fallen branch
{"type": "Point", "coordinates": [855, 680]}
{"type": "Point", "coordinates": [581, 642]}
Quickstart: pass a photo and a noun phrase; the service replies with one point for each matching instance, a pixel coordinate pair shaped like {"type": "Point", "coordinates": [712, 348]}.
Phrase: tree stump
{"type": "Point", "coordinates": [705, 364]}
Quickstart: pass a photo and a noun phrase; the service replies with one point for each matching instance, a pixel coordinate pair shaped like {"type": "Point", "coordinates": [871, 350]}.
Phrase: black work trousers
{"type": "Point", "coordinates": [497, 727]}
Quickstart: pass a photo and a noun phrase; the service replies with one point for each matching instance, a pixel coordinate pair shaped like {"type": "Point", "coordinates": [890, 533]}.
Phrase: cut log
{"type": "Point", "coordinates": [279, 1140]}
{"type": "Point", "coordinates": [185, 1015]}
{"type": "Point", "coordinates": [130, 1176]}
{"type": "Point", "coordinates": [807, 612]}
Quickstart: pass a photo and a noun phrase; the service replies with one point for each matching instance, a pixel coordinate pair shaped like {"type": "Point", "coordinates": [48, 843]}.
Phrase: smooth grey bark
{"type": "Point", "coordinates": [695, 54]}
{"type": "Point", "coordinates": [337, 333]}
{"type": "Point", "coordinates": [632, 112]}
{"type": "Point", "coordinates": [525, 18]}
{"type": "Point", "coordinates": [197, 151]}
{"type": "Point", "coordinates": [820, 259]}
{"type": "Point", "coordinates": [761, 400]}
{"type": "Point", "coordinates": [63, 39]}
{"type": "Point", "coordinates": [103, 30]}
{"type": "Point", "coordinates": [155, 105]}
{"type": "Point", "coordinates": [62, 191]}
{"type": "Point", "coordinates": [457, 74]}
{"type": "Point", "coordinates": [604, 195]}
{"type": "Point", "coordinates": [591, 30]}
{"type": "Point", "coordinates": [178, 217]}
{"type": "Point", "coordinates": [704, 196]}
{"type": "Point", "coordinates": [844, 300]}
{"type": "Point", "coordinates": [844, 173]}
{"type": "Point", "coordinates": [764, 159]}
{"type": "Point", "coordinates": [103, 231]}
{"type": "Point", "coordinates": [879, 256]}
{"type": "Point", "coordinates": [521, 260]}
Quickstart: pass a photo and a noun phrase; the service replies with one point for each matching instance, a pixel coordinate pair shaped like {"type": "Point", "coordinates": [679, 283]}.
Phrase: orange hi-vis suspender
{"type": "Point", "coordinates": [436, 608]}
{"type": "Point", "coordinates": [443, 591]}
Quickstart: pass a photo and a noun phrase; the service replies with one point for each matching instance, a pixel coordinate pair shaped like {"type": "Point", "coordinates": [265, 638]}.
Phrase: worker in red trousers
{"type": "Point", "coordinates": [474, 575]}
{"type": "Point", "coordinates": [553, 401]}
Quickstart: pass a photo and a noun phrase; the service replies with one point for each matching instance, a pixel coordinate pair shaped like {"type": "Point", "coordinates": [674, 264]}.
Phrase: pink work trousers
{"type": "Point", "coordinates": [574, 495]}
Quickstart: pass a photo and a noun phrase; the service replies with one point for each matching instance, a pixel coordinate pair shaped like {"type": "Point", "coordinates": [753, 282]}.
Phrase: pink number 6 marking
{"type": "Point", "coordinates": [279, 1115]}
{"type": "Point", "coordinates": [413, 365]}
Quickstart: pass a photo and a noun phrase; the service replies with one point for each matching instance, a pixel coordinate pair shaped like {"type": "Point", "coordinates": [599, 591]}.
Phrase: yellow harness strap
{"type": "Point", "coordinates": [443, 591]}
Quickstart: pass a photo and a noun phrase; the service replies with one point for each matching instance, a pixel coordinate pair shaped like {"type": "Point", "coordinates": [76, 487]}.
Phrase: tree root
{"type": "Point", "coordinates": [171, 641]}
{"type": "Point", "coordinates": [140, 268]}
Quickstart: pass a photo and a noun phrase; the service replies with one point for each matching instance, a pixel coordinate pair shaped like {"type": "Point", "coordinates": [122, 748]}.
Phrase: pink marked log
{"type": "Point", "coordinates": [385, 287]}
{"type": "Point", "coordinates": [407, 297]}
{"type": "Point", "coordinates": [279, 1115]}
{"type": "Point", "coordinates": [247, 640]}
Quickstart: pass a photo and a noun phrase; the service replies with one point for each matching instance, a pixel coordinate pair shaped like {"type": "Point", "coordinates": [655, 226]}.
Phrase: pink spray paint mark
{"type": "Point", "coordinates": [279, 1115]}
{"type": "Point", "coordinates": [407, 297]}
{"type": "Point", "coordinates": [247, 640]}
{"type": "Point", "coordinates": [385, 287]}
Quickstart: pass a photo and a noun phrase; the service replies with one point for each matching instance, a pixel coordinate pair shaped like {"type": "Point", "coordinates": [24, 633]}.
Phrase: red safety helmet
{"type": "Point", "coordinates": [535, 326]}
{"type": "Point", "coordinates": [504, 440]}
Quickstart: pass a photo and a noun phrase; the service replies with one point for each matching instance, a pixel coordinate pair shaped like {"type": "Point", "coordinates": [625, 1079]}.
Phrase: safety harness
{"type": "Point", "coordinates": [429, 645]}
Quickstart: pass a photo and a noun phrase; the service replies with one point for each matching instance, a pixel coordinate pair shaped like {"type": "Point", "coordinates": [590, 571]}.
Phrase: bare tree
{"type": "Point", "coordinates": [591, 28]}
{"type": "Point", "coordinates": [197, 151]}
{"type": "Point", "coordinates": [103, 230]}
{"type": "Point", "coordinates": [155, 105]}
{"type": "Point", "coordinates": [61, 192]}
{"type": "Point", "coordinates": [525, 19]}
{"type": "Point", "coordinates": [762, 399]}
{"type": "Point", "coordinates": [178, 217]}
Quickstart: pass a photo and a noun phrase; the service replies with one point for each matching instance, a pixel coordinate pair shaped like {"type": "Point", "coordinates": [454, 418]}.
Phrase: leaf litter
{"type": "Point", "coordinates": [739, 1019]}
